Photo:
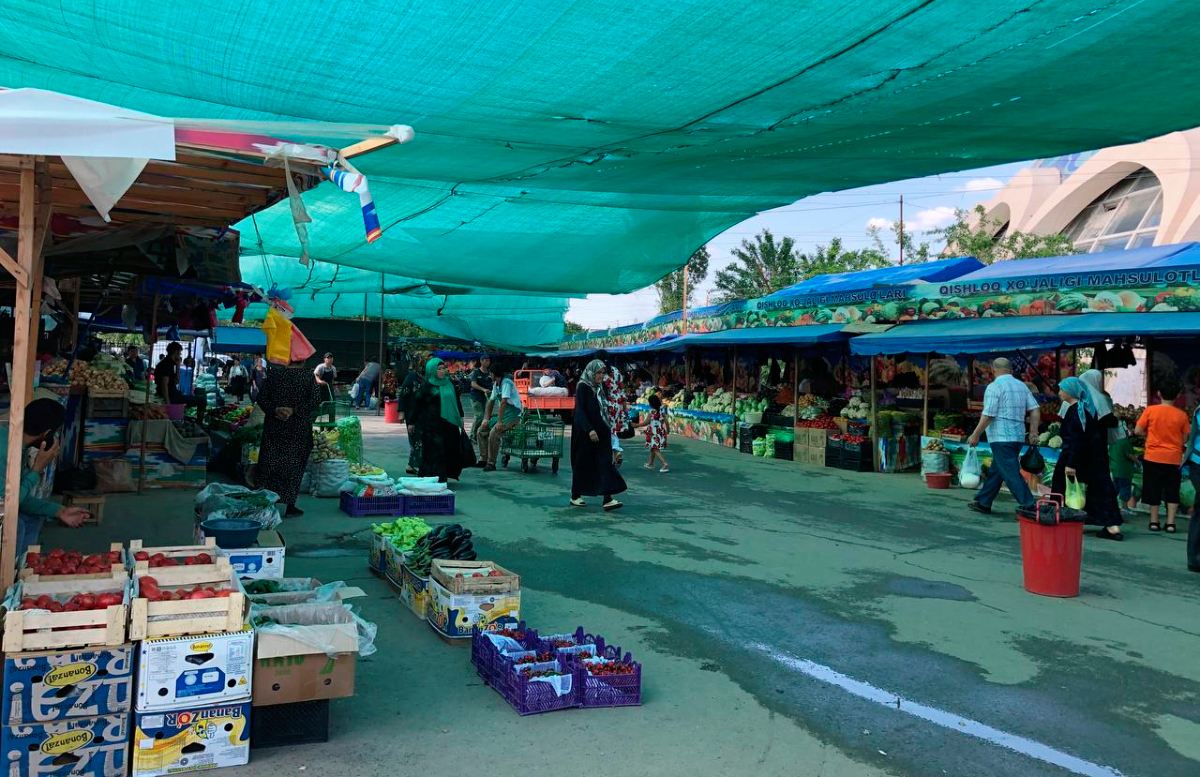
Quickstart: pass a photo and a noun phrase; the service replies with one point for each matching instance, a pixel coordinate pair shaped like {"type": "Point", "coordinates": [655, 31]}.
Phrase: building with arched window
{"type": "Point", "coordinates": [1122, 197]}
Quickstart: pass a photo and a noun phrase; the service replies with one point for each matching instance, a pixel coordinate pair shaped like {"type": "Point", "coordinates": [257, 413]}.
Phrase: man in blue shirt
{"type": "Point", "coordinates": [43, 420]}
{"type": "Point", "coordinates": [1006, 403]}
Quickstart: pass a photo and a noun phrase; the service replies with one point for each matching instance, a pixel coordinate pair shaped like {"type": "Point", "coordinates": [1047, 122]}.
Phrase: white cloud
{"type": "Point", "coordinates": [879, 222]}
{"type": "Point", "coordinates": [933, 218]}
{"type": "Point", "coordinates": [983, 185]}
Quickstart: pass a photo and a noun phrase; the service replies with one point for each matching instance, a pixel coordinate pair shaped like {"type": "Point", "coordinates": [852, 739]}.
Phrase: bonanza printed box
{"type": "Point", "coordinates": [190, 739]}
{"type": "Point", "coordinates": [98, 744]}
{"type": "Point", "coordinates": [49, 686]}
{"type": "Point", "coordinates": [194, 670]}
{"type": "Point", "coordinates": [454, 615]}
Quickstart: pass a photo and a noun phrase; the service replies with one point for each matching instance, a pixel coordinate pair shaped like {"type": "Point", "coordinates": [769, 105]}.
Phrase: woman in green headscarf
{"type": "Point", "coordinates": [438, 419]}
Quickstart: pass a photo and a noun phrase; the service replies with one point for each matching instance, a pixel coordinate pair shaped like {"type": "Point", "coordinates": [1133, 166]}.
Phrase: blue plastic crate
{"type": "Point", "coordinates": [360, 506]}
{"type": "Point", "coordinates": [439, 504]}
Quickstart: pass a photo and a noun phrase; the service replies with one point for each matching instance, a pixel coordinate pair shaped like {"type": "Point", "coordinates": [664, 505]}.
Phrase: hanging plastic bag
{"type": "Point", "coordinates": [1032, 461]}
{"type": "Point", "coordinates": [1076, 496]}
{"type": "Point", "coordinates": [972, 471]}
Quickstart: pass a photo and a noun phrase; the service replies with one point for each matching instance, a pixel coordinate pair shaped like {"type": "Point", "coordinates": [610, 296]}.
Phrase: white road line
{"type": "Point", "coordinates": [947, 720]}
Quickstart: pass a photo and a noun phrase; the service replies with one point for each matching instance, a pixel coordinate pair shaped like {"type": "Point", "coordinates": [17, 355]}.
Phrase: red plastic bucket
{"type": "Point", "coordinates": [1052, 556]}
{"type": "Point", "coordinates": [391, 411]}
{"type": "Point", "coordinates": [938, 480]}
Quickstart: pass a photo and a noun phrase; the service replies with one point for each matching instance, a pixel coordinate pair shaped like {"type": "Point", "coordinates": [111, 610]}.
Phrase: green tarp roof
{"type": "Point", "coordinates": [591, 146]}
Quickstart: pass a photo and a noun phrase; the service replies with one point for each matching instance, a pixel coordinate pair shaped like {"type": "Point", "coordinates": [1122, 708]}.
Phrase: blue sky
{"type": "Point", "coordinates": [929, 203]}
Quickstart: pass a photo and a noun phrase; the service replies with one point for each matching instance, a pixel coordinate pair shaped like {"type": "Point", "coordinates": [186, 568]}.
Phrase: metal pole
{"type": "Point", "coordinates": [27, 302]}
{"type": "Point", "coordinates": [75, 312]}
{"type": "Point", "coordinates": [153, 340]}
{"type": "Point", "coordinates": [683, 326]}
{"type": "Point", "coordinates": [925, 407]}
{"type": "Point", "coordinates": [382, 298]}
{"type": "Point", "coordinates": [874, 424]}
{"type": "Point", "coordinates": [901, 230]}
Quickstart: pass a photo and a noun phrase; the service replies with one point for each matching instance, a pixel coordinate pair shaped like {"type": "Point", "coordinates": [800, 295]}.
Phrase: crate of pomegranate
{"type": "Point", "coordinates": [194, 599]}
{"type": "Point", "coordinates": [39, 565]}
{"type": "Point", "coordinates": [56, 614]}
{"type": "Point", "coordinates": [605, 676]}
{"type": "Point", "coordinates": [143, 559]}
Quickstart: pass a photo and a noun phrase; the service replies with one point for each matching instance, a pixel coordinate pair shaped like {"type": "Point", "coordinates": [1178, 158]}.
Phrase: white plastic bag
{"type": "Point", "coordinates": [316, 614]}
{"type": "Point", "coordinates": [354, 390]}
{"type": "Point", "coordinates": [971, 473]}
{"type": "Point", "coordinates": [230, 501]}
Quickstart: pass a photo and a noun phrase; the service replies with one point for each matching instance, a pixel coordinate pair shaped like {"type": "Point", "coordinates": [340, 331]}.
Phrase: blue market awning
{"type": "Point", "coordinates": [1107, 268]}
{"type": "Point", "coordinates": [993, 335]}
{"type": "Point", "coordinates": [238, 339]}
{"type": "Point", "coordinates": [783, 335]}
{"type": "Point", "coordinates": [839, 283]}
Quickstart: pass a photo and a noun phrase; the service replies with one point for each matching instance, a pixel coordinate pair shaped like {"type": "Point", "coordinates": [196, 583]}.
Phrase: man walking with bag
{"type": "Point", "coordinates": [1006, 405]}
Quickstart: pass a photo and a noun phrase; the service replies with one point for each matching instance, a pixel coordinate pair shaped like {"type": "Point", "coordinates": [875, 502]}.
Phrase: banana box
{"type": "Point", "coordinates": [190, 739]}
{"type": "Point", "coordinates": [72, 747]}
{"type": "Point", "coordinates": [192, 671]}
{"type": "Point", "coordinates": [46, 686]}
{"type": "Point", "coordinates": [455, 615]}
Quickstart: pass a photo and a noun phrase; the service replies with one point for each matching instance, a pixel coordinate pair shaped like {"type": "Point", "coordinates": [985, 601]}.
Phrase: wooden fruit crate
{"type": "Point", "coordinates": [196, 616]}
{"type": "Point", "coordinates": [443, 572]}
{"type": "Point", "coordinates": [107, 404]}
{"type": "Point", "coordinates": [28, 630]}
{"type": "Point", "coordinates": [118, 572]}
{"type": "Point", "coordinates": [171, 551]}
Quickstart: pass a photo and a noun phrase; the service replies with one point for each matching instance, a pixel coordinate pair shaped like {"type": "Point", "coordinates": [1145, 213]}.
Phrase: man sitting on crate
{"type": "Point", "coordinates": [503, 412]}
{"type": "Point", "coordinates": [43, 420]}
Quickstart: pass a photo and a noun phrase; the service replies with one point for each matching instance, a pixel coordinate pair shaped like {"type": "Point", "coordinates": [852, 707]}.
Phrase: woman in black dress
{"type": "Point", "coordinates": [408, 393]}
{"type": "Point", "coordinates": [592, 469]}
{"type": "Point", "coordinates": [1084, 456]}
{"type": "Point", "coordinates": [437, 416]}
{"type": "Point", "coordinates": [289, 396]}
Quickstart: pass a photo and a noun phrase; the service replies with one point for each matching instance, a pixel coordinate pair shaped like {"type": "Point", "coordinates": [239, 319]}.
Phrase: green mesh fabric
{"type": "Point", "coordinates": [324, 290]}
{"type": "Point", "coordinates": [591, 146]}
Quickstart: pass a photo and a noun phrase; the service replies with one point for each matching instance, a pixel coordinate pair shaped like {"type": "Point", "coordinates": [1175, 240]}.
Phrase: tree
{"type": "Point", "coordinates": [760, 267]}
{"type": "Point", "coordinates": [402, 328]}
{"type": "Point", "coordinates": [914, 252]}
{"type": "Point", "coordinates": [670, 288]}
{"type": "Point", "coordinates": [985, 238]}
{"type": "Point", "coordinates": [834, 259]}
{"type": "Point", "coordinates": [571, 328]}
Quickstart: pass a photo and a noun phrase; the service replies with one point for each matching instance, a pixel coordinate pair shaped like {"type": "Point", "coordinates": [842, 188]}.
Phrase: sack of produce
{"type": "Point", "coordinates": [238, 502]}
{"type": "Point", "coordinates": [114, 475]}
{"type": "Point", "coordinates": [350, 437]}
{"type": "Point", "coordinates": [328, 477]}
{"type": "Point", "coordinates": [972, 471]}
{"type": "Point", "coordinates": [1032, 461]}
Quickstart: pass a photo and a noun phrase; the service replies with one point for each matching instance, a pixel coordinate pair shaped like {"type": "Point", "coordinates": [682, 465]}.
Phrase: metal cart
{"type": "Point", "coordinates": [534, 437]}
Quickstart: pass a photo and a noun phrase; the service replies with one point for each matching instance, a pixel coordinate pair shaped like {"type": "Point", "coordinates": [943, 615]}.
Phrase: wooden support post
{"type": "Point", "coordinates": [75, 314]}
{"type": "Point", "coordinates": [925, 407]}
{"type": "Point", "coordinates": [735, 383]}
{"type": "Point", "coordinates": [26, 311]}
{"type": "Point", "coordinates": [153, 339]}
{"type": "Point", "coordinates": [795, 386]}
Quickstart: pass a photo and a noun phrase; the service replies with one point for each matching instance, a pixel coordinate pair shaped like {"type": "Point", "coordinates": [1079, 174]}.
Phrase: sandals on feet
{"type": "Point", "coordinates": [1169, 528]}
{"type": "Point", "coordinates": [1155, 526]}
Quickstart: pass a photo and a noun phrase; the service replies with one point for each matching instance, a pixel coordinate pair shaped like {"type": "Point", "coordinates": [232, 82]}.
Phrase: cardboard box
{"type": "Point", "coordinates": [454, 615]}
{"type": "Point", "coordinates": [816, 457]}
{"type": "Point", "coordinates": [294, 661]}
{"type": "Point", "coordinates": [195, 671]}
{"type": "Point", "coordinates": [297, 590]}
{"type": "Point", "coordinates": [393, 561]}
{"type": "Point", "coordinates": [414, 592]}
{"type": "Point", "coordinates": [816, 437]}
{"type": "Point", "coordinates": [375, 555]}
{"type": "Point", "coordinates": [190, 739]}
{"type": "Point", "coordinates": [800, 453]}
{"type": "Point", "coordinates": [100, 744]}
{"type": "Point", "coordinates": [48, 686]}
{"type": "Point", "coordinates": [263, 561]}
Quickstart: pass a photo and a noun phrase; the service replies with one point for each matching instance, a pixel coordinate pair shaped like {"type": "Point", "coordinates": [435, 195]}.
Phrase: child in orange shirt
{"type": "Point", "coordinates": [1166, 428]}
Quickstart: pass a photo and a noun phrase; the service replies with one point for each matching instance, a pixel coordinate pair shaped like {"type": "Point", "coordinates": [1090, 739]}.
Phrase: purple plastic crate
{"type": "Point", "coordinates": [486, 657]}
{"type": "Point", "coordinates": [530, 697]}
{"type": "Point", "coordinates": [429, 505]}
{"type": "Point", "coordinates": [618, 690]}
{"type": "Point", "coordinates": [361, 506]}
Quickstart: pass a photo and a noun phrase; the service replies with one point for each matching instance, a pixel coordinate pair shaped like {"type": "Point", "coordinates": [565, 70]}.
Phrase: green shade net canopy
{"type": "Point", "coordinates": [323, 290]}
{"type": "Point", "coordinates": [592, 146]}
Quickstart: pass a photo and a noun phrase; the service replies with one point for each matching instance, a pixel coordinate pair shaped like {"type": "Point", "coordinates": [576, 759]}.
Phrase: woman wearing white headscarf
{"type": "Point", "coordinates": [592, 469]}
{"type": "Point", "coordinates": [1101, 402]}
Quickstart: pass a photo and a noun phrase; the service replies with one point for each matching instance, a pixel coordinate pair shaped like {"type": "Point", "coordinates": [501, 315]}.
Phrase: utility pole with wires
{"type": "Point", "coordinates": [901, 230]}
{"type": "Point", "coordinates": [683, 326]}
